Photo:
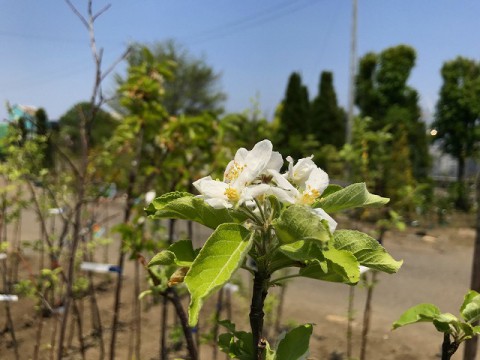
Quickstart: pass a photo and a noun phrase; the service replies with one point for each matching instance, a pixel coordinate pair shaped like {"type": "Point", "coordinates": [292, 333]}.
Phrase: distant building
{"type": "Point", "coordinates": [25, 112]}
{"type": "Point", "coordinates": [445, 167]}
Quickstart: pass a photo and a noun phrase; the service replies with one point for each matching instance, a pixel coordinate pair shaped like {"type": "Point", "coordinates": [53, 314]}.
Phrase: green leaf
{"type": "Point", "coordinates": [294, 346]}
{"type": "Point", "coordinates": [180, 253]}
{"type": "Point", "coordinates": [343, 263]}
{"type": "Point", "coordinates": [303, 250]}
{"type": "Point", "coordinates": [331, 188]}
{"type": "Point", "coordinates": [443, 321]}
{"type": "Point", "coordinates": [341, 267]}
{"type": "Point", "coordinates": [298, 223]}
{"type": "Point", "coordinates": [165, 199]}
{"type": "Point", "coordinates": [242, 348]}
{"type": "Point", "coordinates": [417, 313]}
{"type": "Point", "coordinates": [225, 342]}
{"type": "Point", "coordinates": [220, 257]}
{"type": "Point", "coordinates": [144, 293]}
{"type": "Point", "coordinates": [476, 330]}
{"type": "Point", "coordinates": [467, 330]}
{"type": "Point", "coordinates": [470, 309]}
{"type": "Point", "coordinates": [366, 249]}
{"type": "Point", "coordinates": [270, 354]}
{"type": "Point", "coordinates": [228, 325]}
{"type": "Point", "coordinates": [355, 195]}
{"type": "Point", "coordinates": [185, 206]}
{"type": "Point", "coordinates": [281, 261]}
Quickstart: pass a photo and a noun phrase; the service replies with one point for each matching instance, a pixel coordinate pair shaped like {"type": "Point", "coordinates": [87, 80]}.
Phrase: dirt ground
{"type": "Point", "coordinates": [437, 263]}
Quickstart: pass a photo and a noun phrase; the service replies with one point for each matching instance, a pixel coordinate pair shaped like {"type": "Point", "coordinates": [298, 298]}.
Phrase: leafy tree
{"type": "Point", "coordinates": [98, 130]}
{"type": "Point", "coordinates": [457, 114]}
{"type": "Point", "coordinates": [192, 88]}
{"type": "Point", "coordinates": [293, 126]}
{"type": "Point", "coordinates": [383, 95]}
{"type": "Point", "coordinates": [327, 119]}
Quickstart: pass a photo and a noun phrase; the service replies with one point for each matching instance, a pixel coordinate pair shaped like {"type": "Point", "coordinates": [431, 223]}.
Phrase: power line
{"type": "Point", "coordinates": [258, 19]}
{"type": "Point", "coordinates": [242, 20]}
{"type": "Point", "coordinates": [48, 38]}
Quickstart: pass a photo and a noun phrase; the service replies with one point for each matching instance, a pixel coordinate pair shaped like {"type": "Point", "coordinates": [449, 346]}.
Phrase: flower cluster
{"type": "Point", "coordinates": [256, 173]}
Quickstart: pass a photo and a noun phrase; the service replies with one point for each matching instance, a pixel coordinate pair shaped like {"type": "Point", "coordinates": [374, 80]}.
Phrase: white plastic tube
{"type": "Point", "coordinates": [364, 269]}
{"type": "Point", "coordinates": [99, 268]}
{"type": "Point", "coordinates": [5, 297]}
{"type": "Point", "coordinates": [3, 256]}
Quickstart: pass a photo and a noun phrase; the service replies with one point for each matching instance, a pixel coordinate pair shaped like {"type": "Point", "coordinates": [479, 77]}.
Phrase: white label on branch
{"type": "Point", "coordinates": [55, 211]}
{"type": "Point", "coordinates": [5, 297]}
{"type": "Point", "coordinates": [3, 256]}
{"type": "Point", "coordinates": [99, 268]}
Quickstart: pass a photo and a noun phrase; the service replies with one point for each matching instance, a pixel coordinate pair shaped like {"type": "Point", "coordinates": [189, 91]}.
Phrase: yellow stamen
{"type": "Point", "coordinates": [234, 171]}
{"type": "Point", "coordinates": [232, 194]}
{"type": "Point", "coordinates": [309, 196]}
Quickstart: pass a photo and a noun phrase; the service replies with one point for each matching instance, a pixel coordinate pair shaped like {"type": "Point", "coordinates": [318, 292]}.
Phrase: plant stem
{"type": "Point", "coordinates": [448, 347]}
{"type": "Point", "coordinates": [350, 317]}
{"type": "Point", "coordinates": [260, 290]}
{"type": "Point", "coordinates": [367, 316]}
{"type": "Point", "coordinates": [218, 311]}
{"type": "Point", "coordinates": [187, 331]}
{"type": "Point", "coordinates": [163, 327]}
{"type": "Point", "coordinates": [278, 319]}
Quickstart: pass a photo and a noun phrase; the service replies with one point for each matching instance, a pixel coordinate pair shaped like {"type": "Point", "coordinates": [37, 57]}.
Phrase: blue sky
{"type": "Point", "coordinates": [45, 59]}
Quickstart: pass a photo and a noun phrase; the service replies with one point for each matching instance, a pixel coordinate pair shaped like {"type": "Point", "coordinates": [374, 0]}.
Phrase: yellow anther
{"type": "Point", "coordinates": [309, 196]}
{"type": "Point", "coordinates": [234, 171]}
{"type": "Point", "coordinates": [232, 194]}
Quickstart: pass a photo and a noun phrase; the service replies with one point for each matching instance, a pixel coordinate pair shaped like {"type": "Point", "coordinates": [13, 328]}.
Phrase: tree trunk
{"type": "Point", "coordinates": [260, 290]}
{"type": "Point", "coordinates": [461, 200]}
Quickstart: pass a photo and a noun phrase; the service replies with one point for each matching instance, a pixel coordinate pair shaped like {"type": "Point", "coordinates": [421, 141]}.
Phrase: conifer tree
{"type": "Point", "coordinates": [327, 119]}
{"type": "Point", "coordinates": [293, 128]}
{"type": "Point", "coordinates": [42, 129]}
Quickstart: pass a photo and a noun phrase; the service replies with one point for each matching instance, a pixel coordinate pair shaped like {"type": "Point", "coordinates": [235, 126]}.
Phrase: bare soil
{"type": "Point", "coordinates": [437, 264]}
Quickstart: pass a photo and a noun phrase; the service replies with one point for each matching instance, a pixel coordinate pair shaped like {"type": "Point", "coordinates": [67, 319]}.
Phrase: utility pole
{"type": "Point", "coordinates": [353, 63]}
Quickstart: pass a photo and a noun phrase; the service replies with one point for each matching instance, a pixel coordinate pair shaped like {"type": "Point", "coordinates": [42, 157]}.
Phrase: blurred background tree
{"type": "Point", "coordinates": [384, 96]}
{"type": "Point", "coordinates": [44, 130]}
{"type": "Point", "coordinates": [293, 126]}
{"type": "Point", "coordinates": [193, 88]}
{"type": "Point", "coordinates": [327, 119]}
{"type": "Point", "coordinates": [457, 117]}
{"type": "Point", "coordinates": [98, 131]}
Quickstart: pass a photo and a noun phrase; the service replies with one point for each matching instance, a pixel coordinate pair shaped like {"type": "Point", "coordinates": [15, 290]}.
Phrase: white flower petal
{"type": "Point", "coordinates": [256, 161]}
{"type": "Point", "coordinates": [302, 169]}
{"type": "Point", "coordinates": [332, 224]}
{"type": "Point", "coordinates": [276, 161]}
{"type": "Point", "coordinates": [289, 173]}
{"type": "Point", "coordinates": [317, 180]}
{"type": "Point", "coordinates": [211, 188]}
{"type": "Point", "coordinates": [240, 155]}
{"type": "Point", "coordinates": [282, 195]}
{"type": "Point", "coordinates": [281, 181]}
{"type": "Point", "coordinates": [218, 203]}
{"type": "Point", "coordinates": [257, 190]}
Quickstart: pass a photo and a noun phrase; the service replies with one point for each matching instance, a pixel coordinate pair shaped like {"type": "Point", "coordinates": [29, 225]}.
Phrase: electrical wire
{"type": "Point", "coordinates": [258, 19]}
